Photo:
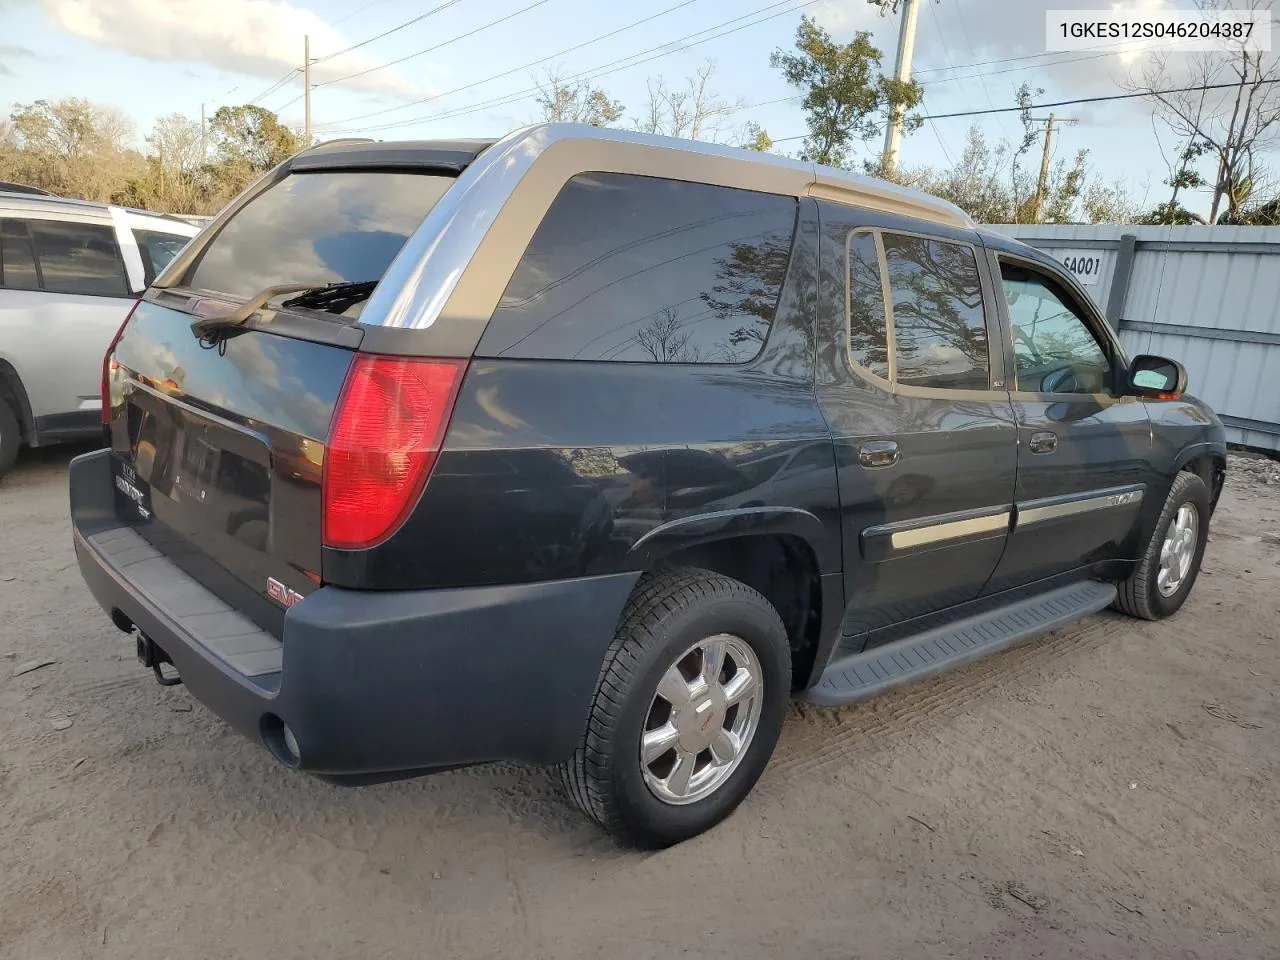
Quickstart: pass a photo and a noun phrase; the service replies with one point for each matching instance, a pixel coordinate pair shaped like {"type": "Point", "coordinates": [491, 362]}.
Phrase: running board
{"type": "Point", "coordinates": [864, 675]}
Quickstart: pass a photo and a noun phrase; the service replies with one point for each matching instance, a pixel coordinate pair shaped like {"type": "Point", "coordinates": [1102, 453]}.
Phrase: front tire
{"type": "Point", "coordinates": [687, 711]}
{"type": "Point", "coordinates": [1167, 570]}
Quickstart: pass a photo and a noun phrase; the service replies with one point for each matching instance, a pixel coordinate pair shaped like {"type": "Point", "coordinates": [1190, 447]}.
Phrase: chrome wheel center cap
{"type": "Point", "coordinates": [698, 726]}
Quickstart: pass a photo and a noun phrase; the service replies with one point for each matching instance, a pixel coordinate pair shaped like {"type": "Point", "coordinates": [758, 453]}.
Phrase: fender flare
{"type": "Point", "coordinates": [701, 528]}
{"type": "Point", "coordinates": [1192, 451]}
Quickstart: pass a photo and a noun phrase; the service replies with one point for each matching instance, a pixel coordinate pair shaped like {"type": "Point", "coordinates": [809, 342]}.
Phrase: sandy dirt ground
{"type": "Point", "coordinates": [1106, 791]}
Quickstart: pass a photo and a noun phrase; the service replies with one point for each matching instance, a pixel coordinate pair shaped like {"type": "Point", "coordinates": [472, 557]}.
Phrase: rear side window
{"type": "Point", "coordinates": [80, 258]}
{"type": "Point", "coordinates": [17, 258]}
{"type": "Point", "coordinates": [939, 332]}
{"type": "Point", "coordinates": [645, 270]}
{"type": "Point", "coordinates": [322, 227]}
{"type": "Point", "coordinates": [157, 249]}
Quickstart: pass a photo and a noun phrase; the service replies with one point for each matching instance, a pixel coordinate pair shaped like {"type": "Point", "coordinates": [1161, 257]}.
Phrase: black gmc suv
{"type": "Point", "coordinates": [592, 448]}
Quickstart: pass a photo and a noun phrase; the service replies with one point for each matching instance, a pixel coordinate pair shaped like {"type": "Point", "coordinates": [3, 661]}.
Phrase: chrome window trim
{"type": "Point", "coordinates": [891, 385]}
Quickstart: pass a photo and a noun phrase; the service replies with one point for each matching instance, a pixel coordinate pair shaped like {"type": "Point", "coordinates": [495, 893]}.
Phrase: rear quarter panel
{"type": "Point", "coordinates": [556, 469]}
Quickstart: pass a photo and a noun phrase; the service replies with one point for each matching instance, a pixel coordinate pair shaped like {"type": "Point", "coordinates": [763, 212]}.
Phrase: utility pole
{"type": "Point", "coordinates": [306, 83]}
{"type": "Point", "coordinates": [203, 152]}
{"type": "Point", "coordinates": [901, 71]}
{"type": "Point", "coordinates": [1043, 183]}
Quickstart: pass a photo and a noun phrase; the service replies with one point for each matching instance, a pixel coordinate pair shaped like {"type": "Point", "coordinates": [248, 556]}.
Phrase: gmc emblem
{"type": "Point", "coordinates": [281, 594]}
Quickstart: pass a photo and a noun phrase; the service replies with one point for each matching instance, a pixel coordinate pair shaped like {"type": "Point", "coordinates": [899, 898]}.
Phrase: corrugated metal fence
{"type": "Point", "coordinates": [1208, 297]}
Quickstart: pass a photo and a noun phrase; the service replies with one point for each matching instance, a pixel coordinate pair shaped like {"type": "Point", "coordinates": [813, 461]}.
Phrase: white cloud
{"type": "Point", "coordinates": [258, 37]}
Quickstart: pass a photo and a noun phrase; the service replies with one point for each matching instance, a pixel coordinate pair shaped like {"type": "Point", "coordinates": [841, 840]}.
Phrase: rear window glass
{"type": "Point", "coordinates": [646, 270]}
{"type": "Point", "coordinates": [17, 259]}
{"type": "Point", "coordinates": [158, 249]}
{"type": "Point", "coordinates": [81, 258]}
{"type": "Point", "coordinates": [940, 335]}
{"type": "Point", "coordinates": [323, 227]}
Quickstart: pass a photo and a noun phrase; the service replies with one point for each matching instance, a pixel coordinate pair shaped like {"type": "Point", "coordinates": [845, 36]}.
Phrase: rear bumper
{"type": "Point", "coordinates": [372, 683]}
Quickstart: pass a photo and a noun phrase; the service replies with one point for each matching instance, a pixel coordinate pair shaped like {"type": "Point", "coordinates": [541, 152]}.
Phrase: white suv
{"type": "Point", "coordinates": [69, 271]}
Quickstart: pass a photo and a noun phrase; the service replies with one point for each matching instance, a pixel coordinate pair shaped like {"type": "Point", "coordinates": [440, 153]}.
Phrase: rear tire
{"type": "Point", "coordinates": [1168, 568]}
{"type": "Point", "coordinates": [677, 624]}
{"type": "Point", "coordinates": [10, 438]}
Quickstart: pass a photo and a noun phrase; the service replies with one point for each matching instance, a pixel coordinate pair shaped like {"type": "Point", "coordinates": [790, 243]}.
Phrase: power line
{"type": "Point", "coordinates": [507, 73]}
{"type": "Point", "coordinates": [1071, 103]}
{"type": "Point", "coordinates": [387, 33]}
{"type": "Point", "coordinates": [360, 9]}
{"type": "Point", "coordinates": [665, 49]}
{"type": "Point", "coordinates": [1111, 47]}
{"type": "Point", "coordinates": [444, 43]}
{"type": "Point", "coordinates": [968, 39]}
{"type": "Point", "coordinates": [621, 64]}
{"type": "Point", "coordinates": [937, 25]}
{"type": "Point", "coordinates": [1114, 96]}
{"type": "Point", "coordinates": [275, 86]}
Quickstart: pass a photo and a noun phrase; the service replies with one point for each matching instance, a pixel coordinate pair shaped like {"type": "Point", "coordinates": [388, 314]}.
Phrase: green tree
{"type": "Point", "coordinates": [563, 102]}
{"type": "Point", "coordinates": [252, 136]}
{"type": "Point", "coordinates": [1108, 203]}
{"type": "Point", "coordinates": [1170, 213]}
{"type": "Point", "coordinates": [755, 137]}
{"type": "Point", "coordinates": [846, 97]}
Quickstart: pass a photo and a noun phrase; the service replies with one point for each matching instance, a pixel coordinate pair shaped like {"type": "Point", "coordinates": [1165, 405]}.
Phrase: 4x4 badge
{"type": "Point", "coordinates": [281, 594]}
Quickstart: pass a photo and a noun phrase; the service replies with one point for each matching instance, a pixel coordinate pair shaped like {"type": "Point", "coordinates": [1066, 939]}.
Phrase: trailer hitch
{"type": "Point", "coordinates": [151, 655]}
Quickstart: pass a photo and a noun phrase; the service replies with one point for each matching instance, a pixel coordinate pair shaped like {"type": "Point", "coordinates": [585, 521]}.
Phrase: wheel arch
{"type": "Point", "coordinates": [776, 551]}
{"type": "Point", "coordinates": [15, 394]}
{"type": "Point", "coordinates": [1208, 461]}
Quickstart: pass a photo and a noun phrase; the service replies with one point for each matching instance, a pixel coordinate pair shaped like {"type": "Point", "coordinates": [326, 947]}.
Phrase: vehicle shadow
{"type": "Point", "coordinates": [39, 461]}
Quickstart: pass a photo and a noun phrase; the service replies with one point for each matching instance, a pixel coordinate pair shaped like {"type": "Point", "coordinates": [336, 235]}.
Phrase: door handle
{"type": "Point", "coordinates": [1044, 442]}
{"type": "Point", "coordinates": [878, 453]}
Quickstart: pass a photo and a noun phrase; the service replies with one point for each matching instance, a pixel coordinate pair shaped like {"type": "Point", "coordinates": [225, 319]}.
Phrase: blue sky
{"type": "Point", "coordinates": [155, 57]}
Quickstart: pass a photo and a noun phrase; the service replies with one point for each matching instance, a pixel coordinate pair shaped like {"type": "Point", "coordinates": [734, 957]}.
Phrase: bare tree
{"type": "Point", "coordinates": [1234, 126]}
{"type": "Point", "coordinates": [693, 110]}
{"type": "Point", "coordinates": [565, 102]}
{"type": "Point", "coordinates": [177, 142]}
{"type": "Point", "coordinates": [178, 158]}
{"type": "Point", "coordinates": [663, 339]}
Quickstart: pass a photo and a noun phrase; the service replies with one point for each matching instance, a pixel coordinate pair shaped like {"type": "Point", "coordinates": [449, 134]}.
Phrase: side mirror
{"type": "Point", "coordinates": [1157, 377]}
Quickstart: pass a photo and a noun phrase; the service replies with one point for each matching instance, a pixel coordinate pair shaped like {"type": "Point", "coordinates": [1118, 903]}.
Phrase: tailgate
{"type": "Point", "coordinates": [217, 454]}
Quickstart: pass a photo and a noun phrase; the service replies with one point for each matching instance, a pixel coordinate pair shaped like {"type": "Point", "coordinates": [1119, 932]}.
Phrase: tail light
{"type": "Point", "coordinates": [109, 367]}
{"type": "Point", "coordinates": [383, 442]}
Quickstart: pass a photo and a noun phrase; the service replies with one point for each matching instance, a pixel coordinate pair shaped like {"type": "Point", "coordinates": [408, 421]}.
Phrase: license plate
{"type": "Point", "coordinates": [133, 494]}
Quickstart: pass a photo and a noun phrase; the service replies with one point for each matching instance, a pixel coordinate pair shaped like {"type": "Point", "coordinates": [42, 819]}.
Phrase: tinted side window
{"type": "Point", "coordinates": [157, 249]}
{"type": "Point", "coordinates": [644, 270]}
{"type": "Point", "coordinates": [1053, 347]}
{"type": "Point", "coordinates": [80, 258]}
{"type": "Point", "coordinates": [940, 336]}
{"type": "Point", "coordinates": [17, 258]}
{"type": "Point", "coordinates": [323, 227]}
{"type": "Point", "coordinates": [868, 341]}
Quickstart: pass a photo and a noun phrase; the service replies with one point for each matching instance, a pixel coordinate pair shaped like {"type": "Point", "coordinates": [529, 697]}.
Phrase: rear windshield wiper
{"type": "Point", "coordinates": [334, 297]}
{"type": "Point", "coordinates": [310, 295]}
